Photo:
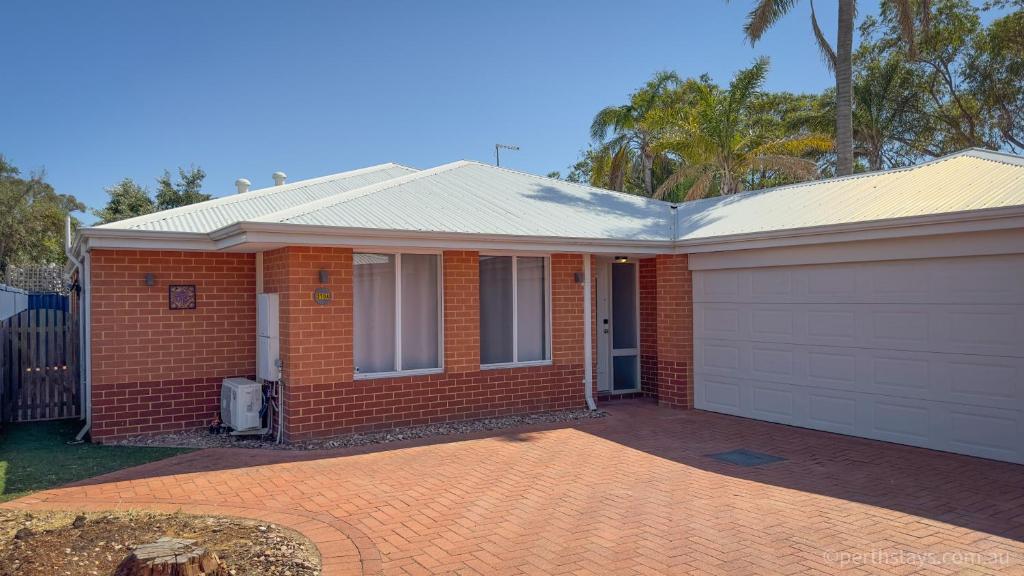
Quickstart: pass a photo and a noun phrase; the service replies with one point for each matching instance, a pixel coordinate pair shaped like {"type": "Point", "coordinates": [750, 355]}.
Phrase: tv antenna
{"type": "Point", "coordinates": [497, 152]}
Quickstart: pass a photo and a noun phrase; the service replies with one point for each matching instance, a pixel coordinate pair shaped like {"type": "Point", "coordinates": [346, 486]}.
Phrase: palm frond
{"type": "Point", "coordinates": [827, 53]}
{"type": "Point", "coordinates": [619, 167]}
{"type": "Point", "coordinates": [747, 83]}
{"type": "Point", "coordinates": [700, 188]}
{"type": "Point", "coordinates": [763, 16]}
{"type": "Point", "coordinates": [611, 118]}
{"type": "Point", "coordinates": [788, 165]}
{"type": "Point", "coordinates": [678, 176]}
{"type": "Point", "coordinates": [797, 146]}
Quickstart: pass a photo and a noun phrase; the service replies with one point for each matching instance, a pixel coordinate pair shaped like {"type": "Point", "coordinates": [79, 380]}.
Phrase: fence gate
{"type": "Point", "coordinates": [39, 366]}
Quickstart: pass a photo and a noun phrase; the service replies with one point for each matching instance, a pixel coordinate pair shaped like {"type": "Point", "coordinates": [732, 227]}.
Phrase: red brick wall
{"type": "Point", "coordinates": [323, 398]}
{"type": "Point", "coordinates": [648, 327]}
{"type": "Point", "coordinates": [316, 340]}
{"type": "Point", "coordinates": [674, 330]}
{"type": "Point", "coordinates": [155, 369]}
{"type": "Point", "coordinates": [461, 272]}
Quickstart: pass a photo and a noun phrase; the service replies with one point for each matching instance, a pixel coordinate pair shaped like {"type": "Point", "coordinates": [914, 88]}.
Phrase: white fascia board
{"type": "Point", "coordinates": [928, 225]}
{"type": "Point", "coordinates": [236, 236]}
{"type": "Point", "coordinates": [113, 238]}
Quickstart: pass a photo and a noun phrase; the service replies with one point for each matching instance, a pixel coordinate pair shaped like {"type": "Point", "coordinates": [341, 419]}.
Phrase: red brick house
{"type": "Point", "coordinates": [887, 305]}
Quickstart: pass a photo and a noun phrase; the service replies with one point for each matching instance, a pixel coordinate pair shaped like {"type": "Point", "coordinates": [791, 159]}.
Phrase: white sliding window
{"type": "Point", "coordinates": [396, 313]}
{"type": "Point", "coordinates": [514, 310]}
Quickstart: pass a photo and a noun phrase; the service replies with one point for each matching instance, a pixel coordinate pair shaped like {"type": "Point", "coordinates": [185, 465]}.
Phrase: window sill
{"type": "Point", "coordinates": [398, 374]}
{"type": "Point", "coordinates": [505, 365]}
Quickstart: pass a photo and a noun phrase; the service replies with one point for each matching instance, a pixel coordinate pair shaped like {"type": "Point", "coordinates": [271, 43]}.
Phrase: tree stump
{"type": "Point", "coordinates": [171, 557]}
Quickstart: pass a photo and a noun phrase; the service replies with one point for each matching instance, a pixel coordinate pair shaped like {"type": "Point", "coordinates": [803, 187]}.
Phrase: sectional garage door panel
{"type": "Point", "coordinates": [928, 352]}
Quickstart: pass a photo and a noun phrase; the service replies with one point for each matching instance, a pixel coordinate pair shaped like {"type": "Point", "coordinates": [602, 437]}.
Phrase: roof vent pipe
{"type": "Point", "coordinates": [279, 178]}
{"type": "Point", "coordinates": [243, 185]}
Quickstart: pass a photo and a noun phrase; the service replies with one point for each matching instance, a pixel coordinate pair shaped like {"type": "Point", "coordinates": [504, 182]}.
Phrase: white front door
{"type": "Point", "coordinates": [618, 328]}
{"type": "Point", "coordinates": [923, 352]}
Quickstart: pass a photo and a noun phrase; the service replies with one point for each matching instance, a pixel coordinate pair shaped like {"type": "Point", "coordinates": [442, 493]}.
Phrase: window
{"type": "Point", "coordinates": [396, 312]}
{"type": "Point", "coordinates": [513, 310]}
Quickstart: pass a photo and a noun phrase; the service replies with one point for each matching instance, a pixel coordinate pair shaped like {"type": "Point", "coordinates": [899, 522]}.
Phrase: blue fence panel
{"type": "Point", "coordinates": [48, 301]}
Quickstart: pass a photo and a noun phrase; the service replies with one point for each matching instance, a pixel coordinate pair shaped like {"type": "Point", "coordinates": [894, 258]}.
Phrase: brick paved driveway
{"type": "Point", "coordinates": [632, 493]}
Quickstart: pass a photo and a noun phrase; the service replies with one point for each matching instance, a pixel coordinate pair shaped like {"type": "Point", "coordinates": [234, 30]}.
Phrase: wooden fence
{"type": "Point", "coordinates": [39, 366]}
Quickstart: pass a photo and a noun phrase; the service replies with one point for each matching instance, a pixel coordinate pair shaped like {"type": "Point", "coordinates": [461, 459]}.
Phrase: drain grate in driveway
{"type": "Point", "coordinates": [744, 457]}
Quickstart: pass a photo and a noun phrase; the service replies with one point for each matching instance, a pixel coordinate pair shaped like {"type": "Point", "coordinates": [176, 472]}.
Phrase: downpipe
{"type": "Point", "coordinates": [83, 330]}
{"type": "Point", "coordinates": [588, 355]}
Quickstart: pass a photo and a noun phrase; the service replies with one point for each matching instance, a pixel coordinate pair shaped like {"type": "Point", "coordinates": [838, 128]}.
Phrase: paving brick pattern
{"type": "Point", "coordinates": [633, 493]}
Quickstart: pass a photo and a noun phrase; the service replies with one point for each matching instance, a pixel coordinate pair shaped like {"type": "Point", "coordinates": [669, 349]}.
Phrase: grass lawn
{"type": "Point", "coordinates": [36, 456]}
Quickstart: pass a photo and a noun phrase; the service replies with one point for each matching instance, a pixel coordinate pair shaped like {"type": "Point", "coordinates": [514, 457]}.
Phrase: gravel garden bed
{"type": "Point", "coordinates": [204, 439]}
{"type": "Point", "coordinates": [71, 544]}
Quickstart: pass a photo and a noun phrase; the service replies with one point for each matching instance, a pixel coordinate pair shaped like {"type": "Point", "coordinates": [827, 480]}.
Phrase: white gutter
{"type": "Point", "coordinates": [981, 220]}
{"type": "Point", "coordinates": [588, 358]}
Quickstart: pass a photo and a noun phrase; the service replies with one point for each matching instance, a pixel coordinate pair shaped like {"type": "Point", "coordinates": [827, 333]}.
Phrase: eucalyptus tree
{"type": "Point", "coordinates": [625, 135]}
{"type": "Point", "coordinates": [725, 139]}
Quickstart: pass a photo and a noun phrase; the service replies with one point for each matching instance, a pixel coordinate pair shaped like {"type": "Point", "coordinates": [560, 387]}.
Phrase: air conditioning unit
{"type": "Point", "coordinates": [240, 402]}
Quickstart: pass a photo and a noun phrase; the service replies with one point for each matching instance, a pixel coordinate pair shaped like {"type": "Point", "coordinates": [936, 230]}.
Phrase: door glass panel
{"type": "Point", "coordinates": [624, 306]}
{"type": "Point", "coordinates": [625, 373]}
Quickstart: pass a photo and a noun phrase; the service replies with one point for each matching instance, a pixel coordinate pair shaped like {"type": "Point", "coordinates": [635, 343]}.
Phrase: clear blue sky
{"type": "Point", "coordinates": [97, 91]}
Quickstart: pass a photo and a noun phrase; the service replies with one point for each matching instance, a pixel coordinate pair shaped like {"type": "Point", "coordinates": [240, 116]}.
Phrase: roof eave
{"type": "Point", "coordinates": [926, 225]}
{"type": "Point", "coordinates": [281, 234]}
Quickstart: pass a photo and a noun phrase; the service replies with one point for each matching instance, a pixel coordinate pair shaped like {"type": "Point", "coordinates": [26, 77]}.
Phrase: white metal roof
{"type": "Point", "coordinates": [219, 212]}
{"type": "Point", "coordinates": [968, 180]}
{"type": "Point", "coordinates": [474, 198]}
{"type": "Point", "coordinates": [467, 198]}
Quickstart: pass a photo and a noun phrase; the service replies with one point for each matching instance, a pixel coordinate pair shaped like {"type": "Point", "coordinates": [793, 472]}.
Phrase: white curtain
{"type": "Point", "coordinates": [374, 312]}
{"type": "Point", "coordinates": [419, 311]}
{"type": "Point", "coordinates": [531, 311]}
{"type": "Point", "coordinates": [495, 309]}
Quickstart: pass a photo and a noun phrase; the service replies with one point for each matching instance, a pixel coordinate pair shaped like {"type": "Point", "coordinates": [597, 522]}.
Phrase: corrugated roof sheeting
{"type": "Point", "coordinates": [468, 197]}
{"type": "Point", "coordinates": [971, 180]}
{"type": "Point", "coordinates": [227, 210]}
{"type": "Point", "coordinates": [474, 198]}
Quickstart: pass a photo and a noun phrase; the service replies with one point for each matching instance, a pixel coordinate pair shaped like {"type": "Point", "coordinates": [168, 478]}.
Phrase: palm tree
{"type": "Point", "coordinates": [839, 60]}
{"type": "Point", "coordinates": [886, 113]}
{"type": "Point", "coordinates": [632, 133]}
{"type": "Point", "coordinates": [721, 142]}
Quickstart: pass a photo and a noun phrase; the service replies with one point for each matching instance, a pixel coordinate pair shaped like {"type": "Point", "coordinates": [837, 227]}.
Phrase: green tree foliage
{"type": "Point", "coordinates": [707, 139]}
{"type": "Point", "coordinates": [127, 200]}
{"type": "Point", "coordinates": [730, 139]}
{"type": "Point", "coordinates": [626, 134]}
{"type": "Point", "coordinates": [929, 78]}
{"type": "Point", "coordinates": [968, 79]}
{"type": "Point", "coordinates": [32, 216]}
{"type": "Point", "coordinates": [840, 59]}
{"type": "Point", "coordinates": [187, 190]}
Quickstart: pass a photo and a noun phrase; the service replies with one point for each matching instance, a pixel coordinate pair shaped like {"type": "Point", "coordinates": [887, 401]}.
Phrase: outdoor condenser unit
{"type": "Point", "coordinates": [240, 402]}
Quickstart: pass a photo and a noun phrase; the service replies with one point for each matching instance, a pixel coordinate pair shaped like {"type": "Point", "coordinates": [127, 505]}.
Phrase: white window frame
{"type": "Point", "coordinates": [515, 312]}
{"type": "Point", "coordinates": [398, 318]}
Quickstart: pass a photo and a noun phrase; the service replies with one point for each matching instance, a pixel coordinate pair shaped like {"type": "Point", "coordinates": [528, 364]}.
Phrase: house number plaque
{"type": "Point", "coordinates": [322, 296]}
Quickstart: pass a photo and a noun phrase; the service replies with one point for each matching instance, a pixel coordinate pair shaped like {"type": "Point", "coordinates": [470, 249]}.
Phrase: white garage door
{"type": "Point", "coordinates": [922, 352]}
